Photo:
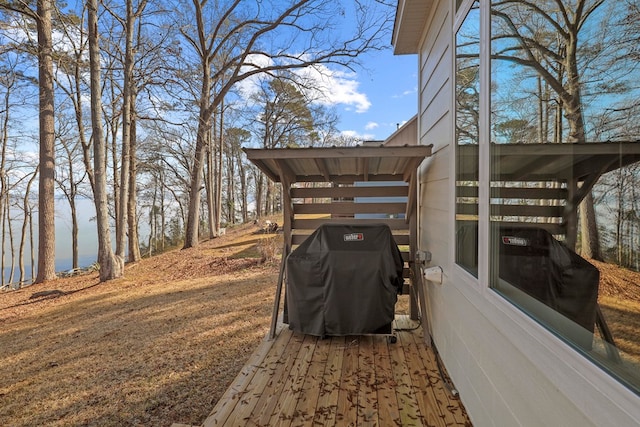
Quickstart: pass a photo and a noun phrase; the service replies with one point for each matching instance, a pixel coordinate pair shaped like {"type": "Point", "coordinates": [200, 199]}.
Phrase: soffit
{"type": "Point", "coordinates": [410, 21]}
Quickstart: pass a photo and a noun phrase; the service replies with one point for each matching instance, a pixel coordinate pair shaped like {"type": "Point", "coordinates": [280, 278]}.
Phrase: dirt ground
{"type": "Point", "coordinates": [156, 347]}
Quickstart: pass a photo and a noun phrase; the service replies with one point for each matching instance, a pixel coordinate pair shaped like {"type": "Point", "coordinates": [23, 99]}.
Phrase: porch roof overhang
{"type": "Point", "coordinates": [560, 162]}
{"type": "Point", "coordinates": [339, 164]}
{"type": "Point", "coordinates": [410, 21]}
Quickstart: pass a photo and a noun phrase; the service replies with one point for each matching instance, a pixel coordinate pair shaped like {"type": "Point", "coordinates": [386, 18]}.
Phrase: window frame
{"type": "Point", "coordinates": [461, 12]}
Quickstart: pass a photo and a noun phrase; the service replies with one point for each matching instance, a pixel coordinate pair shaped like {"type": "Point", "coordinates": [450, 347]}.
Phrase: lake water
{"type": "Point", "coordinates": [62, 265]}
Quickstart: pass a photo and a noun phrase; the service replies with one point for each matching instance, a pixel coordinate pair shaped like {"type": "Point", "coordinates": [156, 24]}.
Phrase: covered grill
{"type": "Point", "coordinates": [533, 261]}
{"type": "Point", "coordinates": [344, 279]}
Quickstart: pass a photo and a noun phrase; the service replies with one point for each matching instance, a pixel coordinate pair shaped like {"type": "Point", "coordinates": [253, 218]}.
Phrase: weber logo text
{"type": "Point", "coordinates": [353, 237]}
{"type": "Point", "coordinates": [515, 241]}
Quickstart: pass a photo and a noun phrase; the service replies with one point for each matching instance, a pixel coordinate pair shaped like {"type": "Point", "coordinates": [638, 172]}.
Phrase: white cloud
{"type": "Point", "coordinates": [334, 87]}
{"type": "Point", "coordinates": [352, 134]}
{"type": "Point", "coordinates": [371, 125]}
{"type": "Point", "coordinates": [251, 85]}
{"type": "Point", "coordinates": [319, 83]}
{"type": "Point", "coordinates": [407, 93]}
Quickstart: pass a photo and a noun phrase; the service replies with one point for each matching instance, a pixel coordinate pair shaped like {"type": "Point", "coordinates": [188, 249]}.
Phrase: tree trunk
{"type": "Point", "coordinates": [123, 205]}
{"type": "Point", "coordinates": [25, 227]}
{"type": "Point", "coordinates": [231, 188]}
{"type": "Point", "coordinates": [11, 247]}
{"type": "Point", "coordinates": [32, 245]}
{"type": "Point", "coordinates": [541, 104]}
{"type": "Point", "coordinates": [3, 230]}
{"type": "Point", "coordinates": [573, 112]}
{"type": "Point", "coordinates": [46, 200]}
{"type": "Point", "coordinates": [590, 240]}
{"type": "Point", "coordinates": [111, 266]}
{"type": "Point", "coordinates": [219, 172]}
{"type": "Point", "coordinates": [204, 129]}
{"type": "Point", "coordinates": [132, 214]}
{"type": "Point", "coordinates": [209, 187]}
{"type": "Point", "coordinates": [259, 194]}
{"type": "Point", "coordinates": [243, 189]}
{"type": "Point", "coordinates": [4, 190]}
{"type": "Point", "coordinates": [74, 232]}
{"type": "Point", "coordinates": [619, 218]}
{"type": "Point", "coordinates": [153, 213]}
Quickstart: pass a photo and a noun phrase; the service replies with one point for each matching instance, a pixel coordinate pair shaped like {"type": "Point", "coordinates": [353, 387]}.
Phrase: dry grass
{"type": "Point", "coordinates": [162, 344]}
{"type": "Point", "coordinates": [619, 298]}
{"type": "Point", "coordinates": [158, 346]}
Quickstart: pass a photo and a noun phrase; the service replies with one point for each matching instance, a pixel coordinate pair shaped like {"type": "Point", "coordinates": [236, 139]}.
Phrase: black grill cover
{"type": "Point", "coordinates": [344, 280]}
{"type": "Point", "coordinates": [532, 260]}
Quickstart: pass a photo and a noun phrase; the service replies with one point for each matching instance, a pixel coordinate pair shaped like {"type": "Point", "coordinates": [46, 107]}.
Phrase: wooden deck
{"type": "Point", "coordinates": [300, 380]}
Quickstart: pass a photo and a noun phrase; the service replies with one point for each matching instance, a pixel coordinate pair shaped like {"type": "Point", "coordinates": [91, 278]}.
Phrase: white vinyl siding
{"type": "Point", "coordinates": [509, 370]}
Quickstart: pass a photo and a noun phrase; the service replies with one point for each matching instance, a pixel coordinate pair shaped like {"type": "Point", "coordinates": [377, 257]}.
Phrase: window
{"type": "Point", "coordinates": [467, 104]}
{"type": "Point", "coordinates": [565, 174]}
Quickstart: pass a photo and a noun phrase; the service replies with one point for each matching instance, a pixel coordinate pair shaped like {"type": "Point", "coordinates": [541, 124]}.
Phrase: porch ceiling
{"type": "Point", "coordinates": [339, 164]}
{"type": "Point", "coordinates": [411, 18]}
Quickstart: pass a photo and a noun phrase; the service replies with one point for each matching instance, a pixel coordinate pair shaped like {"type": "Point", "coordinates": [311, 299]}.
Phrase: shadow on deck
{"type": "Point", "coordinates": [301, 380]}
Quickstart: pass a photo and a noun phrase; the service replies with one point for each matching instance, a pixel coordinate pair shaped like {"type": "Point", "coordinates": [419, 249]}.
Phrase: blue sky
{"type": "Point", "coordinates": [389, 83]}
{"type": "Point", "coordinates": [371, 100]}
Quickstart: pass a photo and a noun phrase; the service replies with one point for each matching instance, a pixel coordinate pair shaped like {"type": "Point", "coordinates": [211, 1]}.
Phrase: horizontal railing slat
{"type": "Point", "coordinates": [348, 208]}
{"type": "Point", "coordinates": [342, 192]}
{"type": "Point", "coordinates": [312, 224]}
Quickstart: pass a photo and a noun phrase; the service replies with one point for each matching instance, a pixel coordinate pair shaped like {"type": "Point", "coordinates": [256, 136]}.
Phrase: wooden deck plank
{"type": "Point", "coordinates": [367, 403]}
{"type": "Point", "coordinates": [327, 407]}
{"type": "Point", "coordinates": [268, 400]}
{"type": "Point", "coordinates": [348, 392]}
{"type": "Point", "coordinates": [253, 387]}
{"type": "Point", "coordinates": [407, 402]}
{"type": "Point", "coordinates": [449, 404]}
{"type": "Point", "coordinates": [284, 410]}
{"type": "Point", "coordinates": [428, 405]}
{"type": "Point", "coordinates": [300, 380]}
{"type": "Point", "coordinates": [243, 383]}
{"type": "Point", "coordinates": [388, 413]}
{"type": "Point", "coordinates": [311, 389]}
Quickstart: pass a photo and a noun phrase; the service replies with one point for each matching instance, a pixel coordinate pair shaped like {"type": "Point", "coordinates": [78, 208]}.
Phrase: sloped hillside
{"type": "Point", "coordinates": [157, 346]}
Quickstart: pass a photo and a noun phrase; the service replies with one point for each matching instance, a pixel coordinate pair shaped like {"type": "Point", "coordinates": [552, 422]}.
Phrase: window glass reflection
{"type": "Point", "coordinates": [467, 105]}
{"type": "Point", "coordinates": [565, 217]}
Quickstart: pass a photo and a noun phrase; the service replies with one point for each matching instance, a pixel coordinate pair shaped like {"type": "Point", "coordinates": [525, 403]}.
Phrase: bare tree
{"type": "Point", "coordinates": [46, 206]}
{"type": "Point", "coordinates": [234, 138]}
{"type": "Point", "coordinates": [555, 56]}
{"type": "Point", "coordinates": [111, 266]}
{"type": "Point", "coordinates": [235, 44]}
{"type": "Point", "coordinates": [127, 155]}
{"type": "Point", "coordinates": [26, 228]}
{"type": "Point", "coordinates": [72, 66]}
{"type": "Point", "coordinates": [284, 121]}
{"type": "Point", "coordinates": [46, 182]}
{"type": "Point", "coordinates": [70, 176]}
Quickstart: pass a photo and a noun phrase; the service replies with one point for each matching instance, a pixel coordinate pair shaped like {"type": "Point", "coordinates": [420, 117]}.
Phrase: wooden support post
{"type": "Point", "coordinates": [285, 179]}
{"type": "Point", "coordinates": [276, 303]}
{"type": "Point", "coordinates": [415, 270]}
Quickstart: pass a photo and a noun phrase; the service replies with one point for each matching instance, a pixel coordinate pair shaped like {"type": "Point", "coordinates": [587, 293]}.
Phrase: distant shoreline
{"type": "Point", "coordinates": [62, 265]}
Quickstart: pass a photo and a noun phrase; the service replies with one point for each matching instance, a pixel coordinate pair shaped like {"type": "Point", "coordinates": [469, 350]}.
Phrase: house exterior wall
{"type": "Point", "coordinates": [508, 370]}
{"type": "Point", "coordinates": [405, 135]}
